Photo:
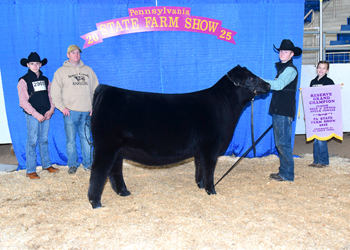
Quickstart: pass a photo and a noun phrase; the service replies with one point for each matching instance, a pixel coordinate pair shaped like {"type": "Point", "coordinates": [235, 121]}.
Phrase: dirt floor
{"type": "Point", "coordinates": [301, 147]}
{"type": "Point", "coordinates": [166, 210]}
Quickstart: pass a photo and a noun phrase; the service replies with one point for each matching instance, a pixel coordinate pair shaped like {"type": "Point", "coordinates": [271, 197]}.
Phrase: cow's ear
{"type": "Point", "coordinates": [239, 66]}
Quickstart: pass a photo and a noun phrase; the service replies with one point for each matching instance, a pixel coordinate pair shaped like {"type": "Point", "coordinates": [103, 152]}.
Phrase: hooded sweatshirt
{"type": "Point", "coordinates": [73, 87]}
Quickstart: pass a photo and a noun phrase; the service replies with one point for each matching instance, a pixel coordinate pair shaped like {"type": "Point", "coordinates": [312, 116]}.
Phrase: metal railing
{"type": "Point", "coordinates": [312, 22]}
{"type": "Point", "coordinates": [338, 57]}
{"type": "Point", "coordinates": [334, 6]}
{"type": "Point", "coordinates": [313, 40]}
{"type": "Point", "coordinates": [328, 48]}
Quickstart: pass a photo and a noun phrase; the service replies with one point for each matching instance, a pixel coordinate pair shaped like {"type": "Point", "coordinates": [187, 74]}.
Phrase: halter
{"type": "Point", "coordinates": [253, 89]}
{"type": "Point", "coordinates": [252, 105]}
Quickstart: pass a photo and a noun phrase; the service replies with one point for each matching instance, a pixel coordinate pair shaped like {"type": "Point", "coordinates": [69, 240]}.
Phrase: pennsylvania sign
{"type": "Point", "coordinates": [158, 18]}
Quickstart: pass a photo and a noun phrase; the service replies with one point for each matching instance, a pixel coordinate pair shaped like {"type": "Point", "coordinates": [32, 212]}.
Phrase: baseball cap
{"type": "Point", "coordinates": [73, 47]}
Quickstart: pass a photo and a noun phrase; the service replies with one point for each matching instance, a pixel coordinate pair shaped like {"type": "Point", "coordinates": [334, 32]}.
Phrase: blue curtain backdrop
{"type": "Point", "coordinates": [163, 62]}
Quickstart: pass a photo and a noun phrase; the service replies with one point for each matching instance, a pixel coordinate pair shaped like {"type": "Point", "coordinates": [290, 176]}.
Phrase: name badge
{"type": "Point", "coordinates": [39, 86]}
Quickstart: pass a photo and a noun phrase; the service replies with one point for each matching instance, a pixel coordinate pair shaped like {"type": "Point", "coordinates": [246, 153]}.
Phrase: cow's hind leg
{"type": "Point", "coordinates": [100, 169]}
{"type": "Point", "coordinates": [199, 175]}
{"type": "Point", "coordinates": [116, 178]}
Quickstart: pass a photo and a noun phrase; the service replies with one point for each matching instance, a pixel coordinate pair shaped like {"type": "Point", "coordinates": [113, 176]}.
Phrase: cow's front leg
{"type": "Point", "coordinates": [116, 178]}
{"type": "Point", "coordinates": [100, 169]}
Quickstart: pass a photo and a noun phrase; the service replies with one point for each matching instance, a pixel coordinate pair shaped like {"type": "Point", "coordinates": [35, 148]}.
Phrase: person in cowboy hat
{"type": "Point", "coordinates": [282, 108]}
{"type": "Point", "coordinates": [34, 99]}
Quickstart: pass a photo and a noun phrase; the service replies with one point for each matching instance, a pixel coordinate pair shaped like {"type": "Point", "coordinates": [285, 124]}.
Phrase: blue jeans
{"type": "Point", "coordinates": [73, 124]}
{"type": "Point", "coordinates": [321, 152]}
{"type": "Point", "coordinates": [37, 131]}
{"type": "Point", "coordinates": [282, 128]}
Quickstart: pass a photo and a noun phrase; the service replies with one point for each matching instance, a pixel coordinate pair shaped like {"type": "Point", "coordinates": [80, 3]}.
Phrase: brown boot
{"type": "Point", "coordinates": [51, 169]}
{"type": "Point", "coordinates": [33, 176]}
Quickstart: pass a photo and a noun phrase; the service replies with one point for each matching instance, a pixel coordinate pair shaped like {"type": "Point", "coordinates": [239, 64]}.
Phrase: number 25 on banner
{"type": "Point", "coordinates": [227, 35]}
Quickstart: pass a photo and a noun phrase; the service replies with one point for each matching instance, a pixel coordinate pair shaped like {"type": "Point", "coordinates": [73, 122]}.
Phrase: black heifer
{"type": "Point", "coordinates": [158, 129]}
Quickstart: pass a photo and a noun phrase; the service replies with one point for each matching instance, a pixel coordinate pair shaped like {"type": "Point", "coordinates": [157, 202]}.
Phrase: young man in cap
{"type": "Point", "coordinates": [34, 98]}
{"type": "Point", "coordinates": [72, 91]}
{"type": "Point", "coordinates": [282, 108]}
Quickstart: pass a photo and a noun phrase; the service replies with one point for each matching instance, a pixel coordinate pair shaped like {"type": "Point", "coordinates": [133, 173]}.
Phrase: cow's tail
{"type": "Point", "coordinates": [95, 103]}
{"type": "Point", "coordinates": [97, 96]}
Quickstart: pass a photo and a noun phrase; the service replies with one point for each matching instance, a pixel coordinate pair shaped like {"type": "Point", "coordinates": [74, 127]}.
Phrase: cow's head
{"type": "Point", "coordinates": [244, 78]}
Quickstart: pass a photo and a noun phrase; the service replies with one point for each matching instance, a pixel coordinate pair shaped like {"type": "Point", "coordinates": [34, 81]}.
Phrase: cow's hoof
{"type": "Point", "coordinates": [124, 193]}
{"type": "Point", "coordinates": [200, 184]}
{"type": "Point", "coordinates": [96, 204]}
{"type": "Point", "coordinates": [209, 192]}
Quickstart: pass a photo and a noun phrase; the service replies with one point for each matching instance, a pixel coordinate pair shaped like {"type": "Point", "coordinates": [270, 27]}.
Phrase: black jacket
{"type": "Point", "coordinates": [37, 91]}
{"type": "Point", "coordinates": [323, 81]}
{"type": "Point", "coordinates": [283, 101]}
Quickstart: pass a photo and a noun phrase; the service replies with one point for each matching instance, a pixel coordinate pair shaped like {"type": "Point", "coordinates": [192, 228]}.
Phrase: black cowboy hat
{"type": "Point", "coordinates": [287, 44]}
{"type": "Point", "coordinates": [33, 57]}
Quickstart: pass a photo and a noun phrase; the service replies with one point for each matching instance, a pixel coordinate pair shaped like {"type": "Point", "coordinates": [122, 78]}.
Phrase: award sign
{"type": "Point", "coordinates": [323, 112]}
